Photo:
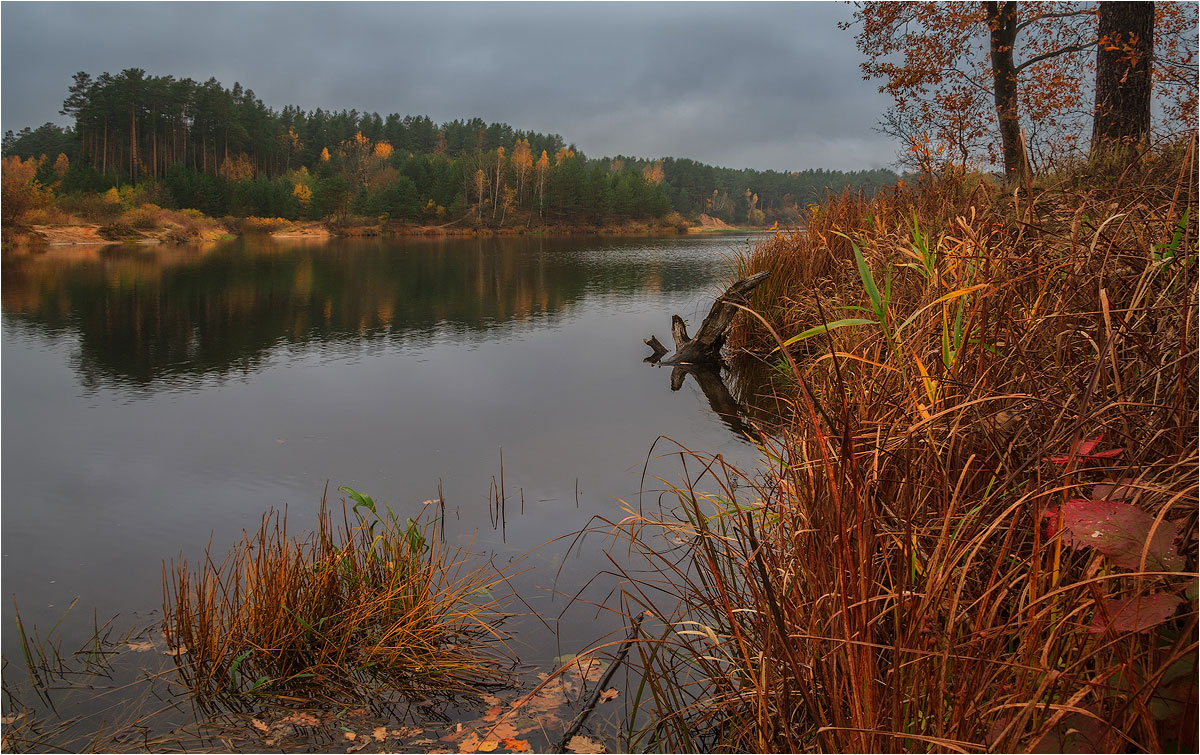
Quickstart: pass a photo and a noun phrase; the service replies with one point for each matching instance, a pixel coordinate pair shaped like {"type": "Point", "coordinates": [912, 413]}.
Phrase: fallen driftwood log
{"type": "Point", "coordinates": [705, 346]}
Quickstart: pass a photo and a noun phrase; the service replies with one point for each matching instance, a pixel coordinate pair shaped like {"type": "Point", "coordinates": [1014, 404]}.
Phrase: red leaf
{"type": "Point", "coordinates": [1120, 531]}
{"type": "Point", "coordinates": [1086, 449]}
{"type": "Point", "coordinates": [1136, 614]}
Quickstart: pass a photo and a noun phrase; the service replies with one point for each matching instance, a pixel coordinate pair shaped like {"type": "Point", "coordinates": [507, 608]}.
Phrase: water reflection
{"type": "Point", "coordinates": [261, 371]}
{"type": "Point", "coordinates": [755, 407]}
{"type": "Point", "coordinates": [151, 317]}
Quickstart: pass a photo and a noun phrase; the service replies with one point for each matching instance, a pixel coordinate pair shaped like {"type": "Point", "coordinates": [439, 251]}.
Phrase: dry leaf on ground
{"type": "Point", "coordinates": [350, 735]}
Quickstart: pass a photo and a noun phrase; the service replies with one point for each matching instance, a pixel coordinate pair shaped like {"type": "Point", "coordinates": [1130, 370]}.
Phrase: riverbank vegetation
{"type": "Point", "coordinates": [978, 530]}
{"type": "Point", "coordinates": [180, 144]}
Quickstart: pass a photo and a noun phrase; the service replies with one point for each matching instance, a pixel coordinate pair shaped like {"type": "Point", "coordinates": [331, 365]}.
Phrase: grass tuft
{"type": "Point", "coordinates": [377, 603]}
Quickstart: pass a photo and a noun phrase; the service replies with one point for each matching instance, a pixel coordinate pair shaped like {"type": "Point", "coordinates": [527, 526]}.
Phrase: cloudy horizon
{"type": "Point", "coordinates": [770, 86]}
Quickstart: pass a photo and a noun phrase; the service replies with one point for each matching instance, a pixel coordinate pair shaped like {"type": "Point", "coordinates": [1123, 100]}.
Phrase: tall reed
{"type": "Point", "coordinates": [973, 373]}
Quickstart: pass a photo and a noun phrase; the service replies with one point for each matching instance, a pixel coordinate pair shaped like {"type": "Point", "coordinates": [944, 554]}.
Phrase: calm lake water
{"type": "Point", "coordinates": [156, 397]}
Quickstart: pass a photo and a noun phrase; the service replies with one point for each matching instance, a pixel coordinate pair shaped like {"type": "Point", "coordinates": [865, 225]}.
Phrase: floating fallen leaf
{"type": "Point", "coordinates": [590, 669]}
{"type": "Point", "coordinates": [492, 714]}
{"type": "Point", "coordinates": [380, 733]}
{"type": "Point", "coordinates": [181, 650]}
{"type": "Point", "coordinates": [140, 647]}
{"type": "Point", "coordinates": [470, 743]}
{"type": "Point", "coordinates": [488, 745]}
{"type": "Point", "coordinates": [516, 745]}
{"type": "Point", "coordinates": [11, 719]}
{"type": "Point", "coordinates": [582, 744]}
{"type": "Point", "coordinates": [259, 725]}
{"type": "Point", "coordinates": [490, 699]}
{"type": "Point", "coordinates": [608, 694]}
{"type": "Point", "coordinates": [350, 735]}
{"type": "Point", "coordinates": [503, 730]}
{"type": "Point", "coordinates": [301, 719]}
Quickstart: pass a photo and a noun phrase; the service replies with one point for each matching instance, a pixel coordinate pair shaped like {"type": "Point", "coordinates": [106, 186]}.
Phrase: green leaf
{"type": "Point", "coordinates": [868, 282]}
{"type": "Point", "coordinates": [361, 499]}
{"type": "Point", "coordinates": [819, 329]}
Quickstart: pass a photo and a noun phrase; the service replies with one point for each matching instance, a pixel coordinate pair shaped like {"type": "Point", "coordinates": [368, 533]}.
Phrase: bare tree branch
{"type": "Point", "coordinates": [1055, 53]}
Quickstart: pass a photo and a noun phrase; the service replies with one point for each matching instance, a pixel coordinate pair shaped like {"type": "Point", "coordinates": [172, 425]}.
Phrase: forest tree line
{"type": "Point", "coordinates": [186, 144]}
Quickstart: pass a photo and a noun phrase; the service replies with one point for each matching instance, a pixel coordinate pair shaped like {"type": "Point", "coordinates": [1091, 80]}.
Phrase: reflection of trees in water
{"type": "Point", "coordinates": [145, 316]}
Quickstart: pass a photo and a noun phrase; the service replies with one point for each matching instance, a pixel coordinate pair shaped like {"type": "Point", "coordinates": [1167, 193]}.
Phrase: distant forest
{"type": "Point", "coordinates": [185, 144]}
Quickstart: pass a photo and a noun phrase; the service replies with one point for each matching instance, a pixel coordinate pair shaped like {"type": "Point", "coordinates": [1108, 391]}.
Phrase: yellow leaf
{"type": "Point", "coordinates": [488, 745]}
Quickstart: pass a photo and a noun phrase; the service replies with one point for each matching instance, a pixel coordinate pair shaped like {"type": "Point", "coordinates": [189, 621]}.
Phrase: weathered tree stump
{"type": "Point", "coordinates": [705, 346]}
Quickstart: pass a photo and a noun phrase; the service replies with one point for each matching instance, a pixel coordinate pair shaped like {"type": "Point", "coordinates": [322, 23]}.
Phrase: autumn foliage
{"type": "Point", "coordinates": [938, 62]}
{"type": "Point", "coordinates": [21, 190]}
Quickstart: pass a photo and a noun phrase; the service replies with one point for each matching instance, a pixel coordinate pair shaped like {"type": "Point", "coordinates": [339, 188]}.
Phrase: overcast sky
{"type": "Point", "coordinates": [760, 85]}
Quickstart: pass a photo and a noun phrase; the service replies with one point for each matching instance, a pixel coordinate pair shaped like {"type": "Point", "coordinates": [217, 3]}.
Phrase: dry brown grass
{"type": "Point", "coordinates": [374, 604]}
{"type": "Point", "coordinates": [887, 582]}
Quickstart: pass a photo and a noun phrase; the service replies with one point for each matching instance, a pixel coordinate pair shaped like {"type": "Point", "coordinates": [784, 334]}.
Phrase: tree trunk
{"type": "Point", "coordinates": [1123, 75]}
{"type": "Point", "coordinates": [1002, 20]}
{"type": "Point", "coordinates": [705, 347]}
{"type": "Point", "coordinates": [133, 154]}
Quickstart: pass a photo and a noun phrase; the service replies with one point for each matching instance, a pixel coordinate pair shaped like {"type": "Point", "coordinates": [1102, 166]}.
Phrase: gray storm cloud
{"type": "Point", "coordinates": [761, 85]}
